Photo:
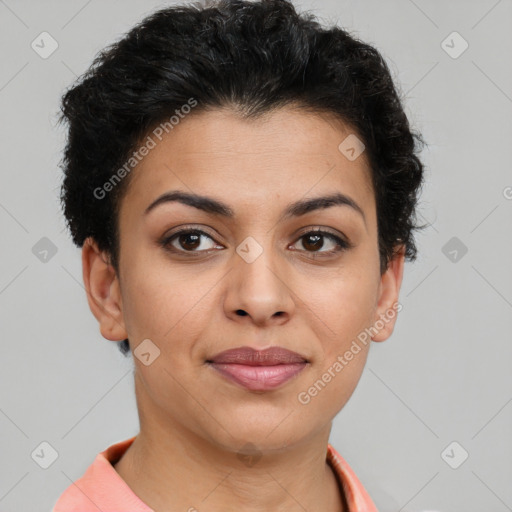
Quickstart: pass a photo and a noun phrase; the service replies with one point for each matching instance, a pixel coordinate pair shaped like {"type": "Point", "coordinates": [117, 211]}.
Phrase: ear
{"type": "Point", "coordinates": [103, 292]}
{"type": "Point", "coordinates": [389, 290]}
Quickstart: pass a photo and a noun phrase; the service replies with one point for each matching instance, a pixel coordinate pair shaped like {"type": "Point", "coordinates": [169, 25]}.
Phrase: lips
{"type": "Point", "coordinates": [249, 356]}
{"type": "Point", "coordinates": [258, 370]}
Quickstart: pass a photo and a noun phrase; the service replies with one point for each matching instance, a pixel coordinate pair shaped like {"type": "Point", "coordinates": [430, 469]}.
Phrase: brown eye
{"type": "Point", "coordinates": [189, 240]}
{"type": "Point", "coordinates": [314, 241]}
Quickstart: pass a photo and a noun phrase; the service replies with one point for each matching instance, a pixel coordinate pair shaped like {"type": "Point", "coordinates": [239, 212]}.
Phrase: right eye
{"type": "Point", "coordinates": [188, 240]}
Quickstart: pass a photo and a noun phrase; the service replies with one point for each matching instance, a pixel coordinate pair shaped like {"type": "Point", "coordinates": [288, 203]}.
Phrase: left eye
{"type": "Point", "coordinates": [314, 240]}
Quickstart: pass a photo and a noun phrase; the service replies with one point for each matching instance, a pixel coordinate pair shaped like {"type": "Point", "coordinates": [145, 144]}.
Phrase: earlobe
{"type": "Point", "coordinates": [388, 304]}
{"type": "Point", "coordinates": [103, 291]}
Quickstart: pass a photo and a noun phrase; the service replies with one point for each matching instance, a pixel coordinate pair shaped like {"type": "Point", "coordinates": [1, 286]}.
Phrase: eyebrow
{"type": "Point", "coordinates": [216, 207]}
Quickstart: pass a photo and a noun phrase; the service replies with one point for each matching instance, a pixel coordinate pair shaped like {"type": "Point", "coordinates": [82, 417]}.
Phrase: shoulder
{"type": "Point", "coordinates": [101, 487]}
{"type": "Point", "coordinates": [357, 497]}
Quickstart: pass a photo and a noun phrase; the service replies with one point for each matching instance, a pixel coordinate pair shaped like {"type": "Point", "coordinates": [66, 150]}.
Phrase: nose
{"type": "Point", "coordinates": [258, 291]}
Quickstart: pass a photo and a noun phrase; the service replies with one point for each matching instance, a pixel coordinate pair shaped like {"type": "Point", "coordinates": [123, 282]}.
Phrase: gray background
{"type": "Point", "coordinates": [444, 375]}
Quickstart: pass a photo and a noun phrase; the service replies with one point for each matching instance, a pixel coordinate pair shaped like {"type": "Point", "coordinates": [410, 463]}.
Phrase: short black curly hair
{"type": "Point", "coordinates": [250, 56]}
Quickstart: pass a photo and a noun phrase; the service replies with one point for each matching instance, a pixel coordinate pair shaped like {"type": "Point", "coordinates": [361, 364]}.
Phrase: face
{"type": "Point", "coordinates": [246, 270]}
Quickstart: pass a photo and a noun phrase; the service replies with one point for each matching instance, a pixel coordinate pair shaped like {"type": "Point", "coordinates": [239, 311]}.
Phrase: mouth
{"type": "Point", "coordinates": [258, 370]}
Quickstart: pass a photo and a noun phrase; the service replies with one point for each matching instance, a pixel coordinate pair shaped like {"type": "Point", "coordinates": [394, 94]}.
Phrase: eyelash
{"type": "Point", "coordinates": [343, 245]}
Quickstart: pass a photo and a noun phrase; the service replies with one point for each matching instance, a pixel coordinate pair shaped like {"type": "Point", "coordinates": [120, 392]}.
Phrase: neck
{"type": "Point", "coordinates": [172, 469]}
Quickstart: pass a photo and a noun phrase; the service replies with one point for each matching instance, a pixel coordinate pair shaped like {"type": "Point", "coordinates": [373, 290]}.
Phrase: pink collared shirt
{"type": "Point", "coordinates": [101, 489]}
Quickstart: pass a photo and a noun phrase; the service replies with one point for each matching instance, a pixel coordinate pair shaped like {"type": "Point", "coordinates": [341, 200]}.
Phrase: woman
{"type": "Point", "coordinates": [243, 185]}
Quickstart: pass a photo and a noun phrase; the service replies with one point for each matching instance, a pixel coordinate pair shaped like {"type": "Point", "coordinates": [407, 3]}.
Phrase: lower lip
{"type": "Point", "coordinates": [259, 378]}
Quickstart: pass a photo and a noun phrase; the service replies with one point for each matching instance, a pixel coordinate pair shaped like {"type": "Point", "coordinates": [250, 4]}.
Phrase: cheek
{"type": "Point", "coordinates": [161, 305]}
{"type": "Point", "coordinates": [149, 303]}
{"type": "Point", "coordinates": [352, 306]}
{"type": "Point", "coordinates": [342, 313]}
{"type": "Point", "coordinates": [343, 307]}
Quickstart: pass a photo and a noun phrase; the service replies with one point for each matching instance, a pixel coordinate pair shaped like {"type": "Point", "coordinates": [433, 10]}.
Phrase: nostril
{"type": "Point", "coordinates": [241, 312]}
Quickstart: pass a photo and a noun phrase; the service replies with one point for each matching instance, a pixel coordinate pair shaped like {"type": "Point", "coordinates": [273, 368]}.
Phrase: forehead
{"type": "Point", "coordinates": [287, 152]}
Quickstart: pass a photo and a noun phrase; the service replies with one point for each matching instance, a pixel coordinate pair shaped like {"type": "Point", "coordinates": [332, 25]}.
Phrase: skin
{"type": "Point", "coordinates": [194, 423]}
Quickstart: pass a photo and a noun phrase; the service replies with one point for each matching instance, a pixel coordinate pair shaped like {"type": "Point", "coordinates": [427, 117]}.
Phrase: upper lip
{"type": "Point", "coordinates": [253, 357]}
